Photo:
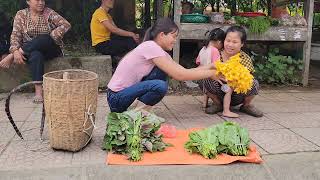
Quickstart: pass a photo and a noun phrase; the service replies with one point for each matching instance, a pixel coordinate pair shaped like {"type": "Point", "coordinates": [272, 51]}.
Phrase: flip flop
{"type": "Point", "coordinates": [221, 115]}
{"type": "Point", "coordinates": [213, 109]}
{"type": "Point", "coordinates": [251, 110]}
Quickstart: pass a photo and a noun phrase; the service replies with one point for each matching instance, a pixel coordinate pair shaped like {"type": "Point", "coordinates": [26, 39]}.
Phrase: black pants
{"type": "Point", "coordinates": [39, 50]}
{"type": "Point", "coordinates": [117, 47]}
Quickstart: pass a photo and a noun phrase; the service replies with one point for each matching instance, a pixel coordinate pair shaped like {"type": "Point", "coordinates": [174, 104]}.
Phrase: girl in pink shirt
{"type": "Point", "coordinates": [209, 54]}
{"type": "Point", "coordinates": [142, 74]}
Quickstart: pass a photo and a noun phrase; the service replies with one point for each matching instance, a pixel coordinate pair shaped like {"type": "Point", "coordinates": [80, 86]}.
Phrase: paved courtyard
{"type": "Point", "coordinates": [288, 138]}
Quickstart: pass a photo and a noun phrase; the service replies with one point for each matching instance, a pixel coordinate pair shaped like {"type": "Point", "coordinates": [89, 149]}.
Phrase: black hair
{"type": "Point", "coordinates": [216, 34]}
{"type": "Point", "coordinates": [164, 25]}
{"type": "Point", "coordinates": [240, 30]}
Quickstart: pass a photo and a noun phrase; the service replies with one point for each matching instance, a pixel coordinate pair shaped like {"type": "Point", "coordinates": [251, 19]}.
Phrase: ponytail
{"type": "Point", "coordinates": [148, 35]}
{"type": "Point", "coordinates": [216, 34]}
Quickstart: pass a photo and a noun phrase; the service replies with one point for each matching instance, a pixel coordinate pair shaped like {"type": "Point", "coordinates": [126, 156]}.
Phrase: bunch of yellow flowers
{"type": "Point", "coordinates": [238, 76]}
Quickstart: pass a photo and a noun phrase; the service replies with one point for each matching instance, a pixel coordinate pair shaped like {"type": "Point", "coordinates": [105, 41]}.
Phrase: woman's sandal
{"type": "Point", "coordinates": [251, 110]}
{"type": "Point", "coordinates": [234, 115]}
{"type": "Point", "coordinates": [213, 109]}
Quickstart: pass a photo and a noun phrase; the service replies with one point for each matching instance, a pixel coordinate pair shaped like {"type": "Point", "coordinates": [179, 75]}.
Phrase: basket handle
{"type": "Point", "coordinates": [91, 118]}
{"type": "Point", "coordinates": [65, 76]}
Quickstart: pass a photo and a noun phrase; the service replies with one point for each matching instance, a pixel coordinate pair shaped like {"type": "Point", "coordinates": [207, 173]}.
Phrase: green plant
{"type": "Point", "coordinates": [274, 21]}
{"type": "Point", "coordinates": [243, 21]}
{"type": "Point", "coordinates": [200, 4]}
{"type": "Point", "coordinates": [245, 6]}
{"type": "Point", "coordinates": [259, 24]}
{"type": "Point", "coordinates": [316, 19]}
{"type": "Point", "coordinates": [296, 8]}
{"type": "Point", "coordinates": [252, 5]}
{"type": "Point", "coordinates": [278, 69]}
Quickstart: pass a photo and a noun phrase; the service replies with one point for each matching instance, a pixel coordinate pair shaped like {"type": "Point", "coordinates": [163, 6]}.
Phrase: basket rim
{"type": "Point", "coordinates": [45, 76]}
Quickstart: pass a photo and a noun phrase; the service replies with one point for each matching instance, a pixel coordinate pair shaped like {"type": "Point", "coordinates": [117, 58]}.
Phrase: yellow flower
{"type": "Point", "coordinates": [238, 76]}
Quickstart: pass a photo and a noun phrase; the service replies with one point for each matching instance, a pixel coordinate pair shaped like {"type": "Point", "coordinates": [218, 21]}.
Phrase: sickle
{"type": "Point", "coordinates": [7, 106]}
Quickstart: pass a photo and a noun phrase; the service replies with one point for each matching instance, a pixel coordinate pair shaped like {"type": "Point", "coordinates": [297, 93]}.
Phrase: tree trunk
{"type": "Point", "coordinates": [158, 9]}
{"type": "Point", "coordinates": [123, 14]}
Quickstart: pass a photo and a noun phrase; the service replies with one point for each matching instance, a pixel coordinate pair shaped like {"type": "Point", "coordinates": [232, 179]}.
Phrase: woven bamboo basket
{"type": "Point", "coordinates": [70, 100]}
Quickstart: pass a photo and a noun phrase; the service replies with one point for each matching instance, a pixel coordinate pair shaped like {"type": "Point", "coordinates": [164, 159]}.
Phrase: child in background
{"type": "Point", "coordinates": [209, 54]}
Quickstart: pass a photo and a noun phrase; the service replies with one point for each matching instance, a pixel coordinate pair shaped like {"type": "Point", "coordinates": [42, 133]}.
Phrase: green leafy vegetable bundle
{"type": "Point", "coordinates": [132, 133]}
{"type": "Point", "coordinates": [227, 137]}
{"type": "Point", "coordinates": [257, 25]}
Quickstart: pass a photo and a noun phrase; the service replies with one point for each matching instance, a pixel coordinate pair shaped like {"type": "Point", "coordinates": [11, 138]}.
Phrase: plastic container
{"type": "Point", "coordinates": [194, 18]}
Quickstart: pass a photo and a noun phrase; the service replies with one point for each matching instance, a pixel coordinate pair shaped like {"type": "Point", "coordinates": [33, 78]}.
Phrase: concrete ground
{"type": "Point", "coordinates": [288, 138]}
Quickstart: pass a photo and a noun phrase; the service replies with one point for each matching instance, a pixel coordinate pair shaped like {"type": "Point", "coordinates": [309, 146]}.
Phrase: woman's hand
{"type": "Point", "coordinates": [18, 57]}
{"type": "Point", "coordinates": [207, 67]}
{"type": "Point", "coordinates": [135, 37]}
{"type": "Point", "coordinates": [219, 78]}
{"type": "Point", "coordinates": [211, 66]}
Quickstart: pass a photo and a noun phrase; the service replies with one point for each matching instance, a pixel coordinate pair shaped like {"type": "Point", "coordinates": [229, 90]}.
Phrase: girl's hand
{"type": "Point", "coordinates": [222, 78]}
{"type": "Point", "coordinates": [215, 77]}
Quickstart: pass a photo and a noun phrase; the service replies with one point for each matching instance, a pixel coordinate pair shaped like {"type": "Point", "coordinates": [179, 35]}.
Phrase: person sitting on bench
{"type": "Point", "coordinates": [102, 26]}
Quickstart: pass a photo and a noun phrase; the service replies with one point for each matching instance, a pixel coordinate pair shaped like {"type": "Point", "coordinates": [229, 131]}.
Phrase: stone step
{"type": "Point", "coordinates": [19, 74]}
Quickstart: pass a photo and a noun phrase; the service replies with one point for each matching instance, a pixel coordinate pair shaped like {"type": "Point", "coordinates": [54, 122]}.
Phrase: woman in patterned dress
{"type": "Point", "coordinates": [234, 41]}
{"type": "Point", "coordinates": [36, 37]}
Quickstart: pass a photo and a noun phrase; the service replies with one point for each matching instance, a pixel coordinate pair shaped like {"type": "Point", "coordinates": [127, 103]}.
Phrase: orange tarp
{"type": "Point", "coordinates": [177, 154]}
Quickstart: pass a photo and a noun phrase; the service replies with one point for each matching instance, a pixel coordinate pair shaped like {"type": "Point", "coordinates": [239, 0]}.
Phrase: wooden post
{"type": "Point", "coordinates": [147, 15]}
{"type": "Point", "coordinates": [159, 8]}
{"type": "Point", "coordinates": [177, 16]}
{"type": "Point", "coordinates": [269, 5]}
{"type": "Point", "coordinates": [307, 45]}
